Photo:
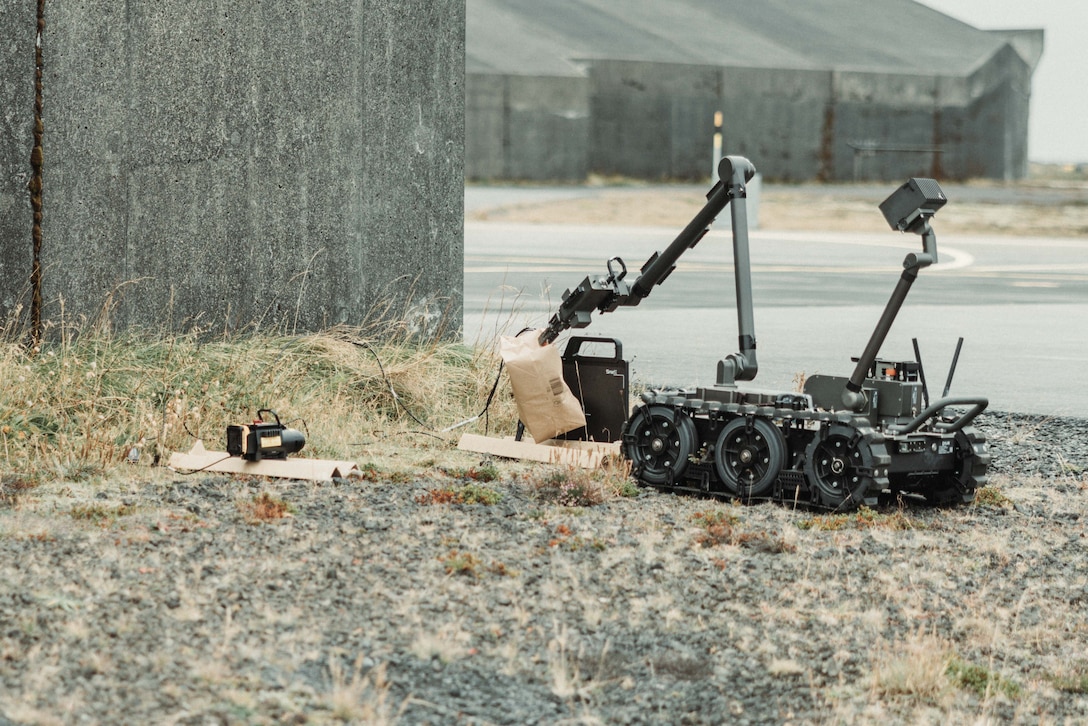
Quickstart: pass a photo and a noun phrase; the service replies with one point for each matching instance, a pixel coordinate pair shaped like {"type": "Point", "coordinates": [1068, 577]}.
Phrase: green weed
{"type": "Point", "coordinates": [459, 562]}
{"type": "Point", "coordinates": [863, 518]}
{"type": "Point", "coordinates": [980, 679]}
{"type": "Point", "coordinates": [100, 514]}
{"type": "Point", "coordinates": [571, 486]}
{"type": "Point", "coordinates": [991, 497]}
{"type": "Point", "coordinates": [484, 473]}
{"type": "Point", "coordinates": [1075, 683]}
{"type": "Point", "coordinates": [719, 527]}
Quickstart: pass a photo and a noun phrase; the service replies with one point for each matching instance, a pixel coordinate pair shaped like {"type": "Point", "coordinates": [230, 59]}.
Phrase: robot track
{"type": "Point", "coordinates": [681, 442]}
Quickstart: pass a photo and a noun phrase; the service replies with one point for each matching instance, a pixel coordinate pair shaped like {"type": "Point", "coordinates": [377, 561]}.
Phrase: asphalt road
{"type": "Point", "coordinates": [1021, 304]}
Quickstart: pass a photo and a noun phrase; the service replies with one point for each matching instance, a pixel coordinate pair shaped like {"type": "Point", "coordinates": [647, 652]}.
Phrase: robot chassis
{"type": "Point", "coordinates": [840, 443]}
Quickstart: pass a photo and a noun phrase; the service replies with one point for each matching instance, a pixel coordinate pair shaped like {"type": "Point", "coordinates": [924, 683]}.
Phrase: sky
{"type": "Point", "coordinates": [1058, 126]}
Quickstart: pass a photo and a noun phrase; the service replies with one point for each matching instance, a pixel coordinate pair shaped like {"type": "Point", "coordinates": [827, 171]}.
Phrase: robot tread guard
{"type": "Point", "coordinates": [838, 444]}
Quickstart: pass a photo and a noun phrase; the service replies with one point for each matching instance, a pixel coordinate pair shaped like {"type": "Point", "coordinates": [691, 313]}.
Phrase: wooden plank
{"type": "Point", "coordinates": [585, 454]}
{"type": "Point", "coordinates": [200, 459]}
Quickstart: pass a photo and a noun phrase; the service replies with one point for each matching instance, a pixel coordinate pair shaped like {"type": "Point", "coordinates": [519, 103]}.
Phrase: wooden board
{"type": "Point", "coordinates": [585, 454]}
{"type": "Point", "coordinates": [200, 459]}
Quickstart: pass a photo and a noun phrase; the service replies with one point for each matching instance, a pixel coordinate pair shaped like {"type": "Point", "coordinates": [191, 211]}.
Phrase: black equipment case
{"type": "Point", "coordinates": [601, 384]}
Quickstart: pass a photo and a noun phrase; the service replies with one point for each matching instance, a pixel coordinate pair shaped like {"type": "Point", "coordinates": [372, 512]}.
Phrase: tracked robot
{"type": "Point", "coordinates": [839, 443]}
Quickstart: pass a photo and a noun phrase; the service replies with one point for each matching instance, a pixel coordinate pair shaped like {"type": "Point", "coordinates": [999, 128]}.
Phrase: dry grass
{"type": "Point", "coordinates": [863, 518]}
{"type": "Point", "coordinates": [917, 667]}
{"type": "Point", "coordinates": [100, 514]}
{"type": "Point", "coordinates": [79, 407]}
{"type": "Point", "coordinates": [362, 697]}
{"type": "Point", "coordinates": [882, 624]}
{"type": "Point", "coordinates": [15, 486]}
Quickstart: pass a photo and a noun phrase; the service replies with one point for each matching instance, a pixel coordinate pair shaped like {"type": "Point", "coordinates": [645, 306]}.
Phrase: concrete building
{"type": "Point", "coordinates": [222, 164]}
{"type": "Point", "coordinates": [821, 89]}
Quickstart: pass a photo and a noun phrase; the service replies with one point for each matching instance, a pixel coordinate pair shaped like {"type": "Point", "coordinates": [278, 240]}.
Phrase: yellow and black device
{"type": "Point", "coordinates": [263, 439]}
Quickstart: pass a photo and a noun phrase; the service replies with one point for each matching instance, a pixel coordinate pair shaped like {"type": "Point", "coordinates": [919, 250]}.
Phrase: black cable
{"type": "Point", "coordinates": [305, 426]}
{"type": "Point", "coordinates": [484, 413]}
{"type": "Point", "coordinates": [185, 425]}
{"type": "Point", "coordinates": [385, 377]}
{"type": "Point", "coordinates": [490, 397]}
{"type": "Point", "coordinates": [206, 466]}
{"type": "Point", "coordinates": [428, 433]}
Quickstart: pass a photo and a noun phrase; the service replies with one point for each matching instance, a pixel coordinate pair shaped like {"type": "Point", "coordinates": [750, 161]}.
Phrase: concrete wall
{"type": "Point", "coordinates": [655, 121]}
{"type": "Point", "coordinates": [224, 162]}
{"type": "Point", "coordinates": [527, 127]}
{"type": "Point", "coordinates": [17, 30]}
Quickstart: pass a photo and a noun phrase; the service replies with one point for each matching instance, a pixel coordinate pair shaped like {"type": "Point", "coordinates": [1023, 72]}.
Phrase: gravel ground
{"type": "Point", "coordinates": [163, 600]}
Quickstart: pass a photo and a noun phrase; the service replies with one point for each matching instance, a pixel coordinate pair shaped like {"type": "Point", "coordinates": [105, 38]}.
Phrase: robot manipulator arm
{"type": "Point", "coordinates": [603, 294]}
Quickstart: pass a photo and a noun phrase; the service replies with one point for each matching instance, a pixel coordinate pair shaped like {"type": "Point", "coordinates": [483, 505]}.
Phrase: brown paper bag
{"type": "Point", "coordinates": [545, 403]}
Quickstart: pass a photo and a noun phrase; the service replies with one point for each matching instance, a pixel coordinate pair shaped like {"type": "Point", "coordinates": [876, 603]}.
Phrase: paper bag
{"type": "Point", "coordinates": [545, 403]}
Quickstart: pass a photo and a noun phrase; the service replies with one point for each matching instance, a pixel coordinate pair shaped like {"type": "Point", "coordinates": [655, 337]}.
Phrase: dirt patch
{"type": "Point", "coordinates": [1021, 211]}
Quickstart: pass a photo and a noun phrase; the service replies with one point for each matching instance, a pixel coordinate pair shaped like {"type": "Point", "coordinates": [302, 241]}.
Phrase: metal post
{"type": "Point", "coordinates": [716, 155]}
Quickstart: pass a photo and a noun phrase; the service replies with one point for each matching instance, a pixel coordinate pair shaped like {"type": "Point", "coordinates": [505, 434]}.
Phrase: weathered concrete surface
{"type": "Point", "coordinates": [18, 21]}
{"type": "Point", "coordinates": [664, 110]}
{"type": "Point", "coordinates": [527, 127]}
{"type": "Point", "coordinates": [222, 163]}
{"type": "Point", "coordinates": [784, 129]}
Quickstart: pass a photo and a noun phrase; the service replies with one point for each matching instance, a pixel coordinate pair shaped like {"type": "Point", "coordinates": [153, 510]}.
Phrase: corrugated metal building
{"type": "Point", "coordinates": [824, 89]}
